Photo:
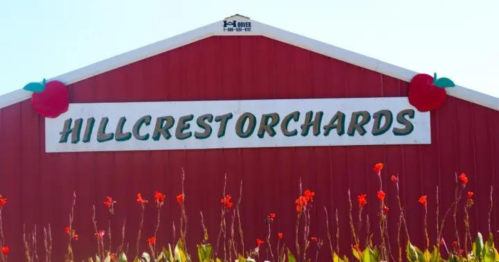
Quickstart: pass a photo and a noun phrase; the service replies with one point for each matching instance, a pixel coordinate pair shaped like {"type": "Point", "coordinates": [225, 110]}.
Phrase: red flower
{"type": "Point", "coordinates": [362, 200]}
{"type": "Point", "coordinates": [140, 200]}
{"type": "Point", "coordinates": [460, 252]}
{"type": "Point", "coordinates": [385, 210]}
{"type": "Point", "coordinates": [454, 244]}
{"type": "Point", "coordinates": [279, 235]}
{"type": "Point", "coordinates": [463, 178]}
{"type": "Point", "coordinates": [394, 179]}
{"type": "Point", "coordinates": [470, 194]}
{"type": "Point", "coordinates": [357, 247]}
{"type": "Point", "coordinates": [377, 168]}
{"type": "Point", "coordinates": [272, 216]}
{"type": "Point", "coordinates": [113, 256]}
{"type": "Point", "coordinates": [313, 239]}
{"type": "Point", "coordinates": [71, 233]}
{"type": "Point", "coordinates": [226, 201]}
{"type": "Point", "coordinates": [381, 195]}
{"type": "Point", "coordinates": [300, 202]}
{"type": "Point", "coordinates": [100, 234]}
{"type": "Point", "coordinates": [309, 195]}
{"type": "Point", "coordinates": [151, 240]}
{"type": "Point", "coordinates": [259, 242]}
{"type": "Point", "coordinates": [422, 200]}
{"type": "Point", "coordinates": [159, 198]}
{"type": "Point", "coordinates": [3, 201]}
{"type": "Point", "coordinates": [5, 250]}
{"type": "Point", "coordinates": [180, 199]}
{"type": "Point", "coordinates": [109, 202]}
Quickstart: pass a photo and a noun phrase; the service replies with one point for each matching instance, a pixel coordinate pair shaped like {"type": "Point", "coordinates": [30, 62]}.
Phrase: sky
{"type": "Point", "coordinates": [457, 39]}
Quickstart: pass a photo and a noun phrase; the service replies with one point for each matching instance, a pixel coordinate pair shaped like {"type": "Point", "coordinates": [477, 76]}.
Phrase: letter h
{"type": "Point", "coordinates": [67, 130]}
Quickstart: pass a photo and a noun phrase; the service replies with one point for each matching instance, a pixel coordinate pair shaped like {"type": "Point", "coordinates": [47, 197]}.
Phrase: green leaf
{"type": "Point", "coordinates": [336, 258]}
{"type": "Point", "coordinates": [167, 254]}
{"type": "Point", "coordinates": [291, 257]}
{"type": "Point", "coordinates": [444, 82]}
{"type": "Point", "coordinates": [356, 254]}
{"type": "Point", "coordinates": [435, 255]}
{"type": "Point", "coordinates": [427, 256]}
{"type": "Point", "coordinates": [490, 240]}
{"type": "Point", "coordinates": [366, 255]}
{"type": "Point", "coordinates": [35, 87]}
{"type": "Point", "coordinates": [375, 254]}
{"type": "Point", "coordinates": [479, 246]}
{"type": "Point", "coordinates": [205, 252]}
{"type": "Point", "coordinates": [122, 257]}
{"type": "Point", "coordinates": [180, 255]}
{"type": "Point", "coordinates": [241, 258]}
{"type": "Point", "coordinates": [412, 252]}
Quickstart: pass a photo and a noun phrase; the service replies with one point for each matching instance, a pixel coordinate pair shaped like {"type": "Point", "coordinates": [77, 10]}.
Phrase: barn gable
{"type": "Point", "coordinates": [255, 29]}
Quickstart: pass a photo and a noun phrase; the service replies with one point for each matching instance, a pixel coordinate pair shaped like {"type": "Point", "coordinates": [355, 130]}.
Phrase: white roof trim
{"type": "Point", "coordinates": [257, 28]}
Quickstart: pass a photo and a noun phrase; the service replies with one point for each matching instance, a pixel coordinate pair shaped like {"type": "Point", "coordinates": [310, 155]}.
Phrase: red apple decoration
{"type": "Point", "coordinates": [428, 93]}
{"type": "Point", "coordinates": [49, 99]}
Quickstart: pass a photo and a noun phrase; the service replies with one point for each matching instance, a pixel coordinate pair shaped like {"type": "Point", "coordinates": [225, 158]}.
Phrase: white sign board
{"type": "Point", "coordinates": [236, 124]}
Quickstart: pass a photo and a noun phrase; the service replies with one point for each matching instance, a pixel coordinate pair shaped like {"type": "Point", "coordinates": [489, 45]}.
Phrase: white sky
{"type": "Point", "coordinates": [457, 39]}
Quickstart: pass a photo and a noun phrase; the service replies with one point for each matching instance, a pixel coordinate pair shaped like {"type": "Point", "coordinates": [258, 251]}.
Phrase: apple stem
{"type": "Point", "coordinates": [434, 77]}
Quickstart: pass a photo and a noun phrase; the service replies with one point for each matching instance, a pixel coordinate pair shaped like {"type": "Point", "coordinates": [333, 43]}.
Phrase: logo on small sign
{"type": "Point", "coordinates": [235, 26]}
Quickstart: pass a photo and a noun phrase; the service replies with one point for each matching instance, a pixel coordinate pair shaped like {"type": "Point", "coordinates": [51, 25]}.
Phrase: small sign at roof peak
{"type": "Point", "coordinates": [237, 15]}
{"type": "Point", "coordinates": [236, 24]}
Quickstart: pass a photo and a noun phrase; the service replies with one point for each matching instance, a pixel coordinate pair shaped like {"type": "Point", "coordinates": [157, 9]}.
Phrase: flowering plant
{"type": "Point", "coordinates": [229, 244]}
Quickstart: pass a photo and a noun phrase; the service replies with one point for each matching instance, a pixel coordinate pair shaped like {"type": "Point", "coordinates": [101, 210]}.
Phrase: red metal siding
{"type": "Point", "coordinates": [39, 185]}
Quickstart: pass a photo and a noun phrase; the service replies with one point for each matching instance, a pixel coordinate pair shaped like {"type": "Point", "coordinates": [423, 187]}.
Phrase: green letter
{"type": "Point", "coordinates": [223, 119]}
{"type": "Point", "coordinates": [285, 122]}
{"type": "Point", "coordinates": [75, 131]}
{"type": "Point", "coordinates": [183, 125]}
{"type": "Point", "coordinates": [162, 129]}
{"type": "Point", "coordinates": [268, 127]}
{"type": "Point", "coordinates": [377, 129]}
{"type": "Point", "coordinates": [205, 126]}
{"type": "Point", "coordinates": [136, 128]}
{"type": "Point", "coordinates": [119, 135]}
{"type": "Point", "coordinates": [408, 126]}
{"type": "Point", "coordinates": [88, 130]}
{"type": "Point", "coordinates": [102, 136]}
{"type": "Point", "coordinates": [338, 122]}
{"type": "Point", "coordinates": [355, 124]}
{"type": "Point", "coordinates": [242, 121]}
{"type": "Point", "coordinates": [316, 123]}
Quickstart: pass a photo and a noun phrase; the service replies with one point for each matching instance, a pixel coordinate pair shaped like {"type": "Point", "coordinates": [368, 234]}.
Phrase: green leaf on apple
{"type": "Point", "coordinates": [444, 82]}
{"type": "Point", "coordinates": [35, 87]}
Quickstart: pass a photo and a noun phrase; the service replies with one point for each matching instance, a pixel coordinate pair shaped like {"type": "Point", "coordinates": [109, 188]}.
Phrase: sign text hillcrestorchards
{"type": "Point", "coordinates": [236, 124]}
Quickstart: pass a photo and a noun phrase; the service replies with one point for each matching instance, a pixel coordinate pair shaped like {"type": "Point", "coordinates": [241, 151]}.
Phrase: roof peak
{"type": "Point", "coordinates": [237, 15]}
{"type": "Point", "coordinates": [244, 28]}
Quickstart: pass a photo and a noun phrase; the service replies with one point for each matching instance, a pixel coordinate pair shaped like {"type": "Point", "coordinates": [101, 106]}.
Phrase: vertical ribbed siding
{"type": "Point", "coordinates": [39, 186]}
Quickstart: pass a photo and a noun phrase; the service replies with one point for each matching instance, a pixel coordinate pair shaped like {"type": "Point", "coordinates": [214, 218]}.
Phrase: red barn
{"type": "Point", "coordinates": [254, 103]}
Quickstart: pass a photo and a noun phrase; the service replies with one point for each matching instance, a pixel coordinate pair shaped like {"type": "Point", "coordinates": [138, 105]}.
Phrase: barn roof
{"type": "Point", "coordinates": [257, 29]}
